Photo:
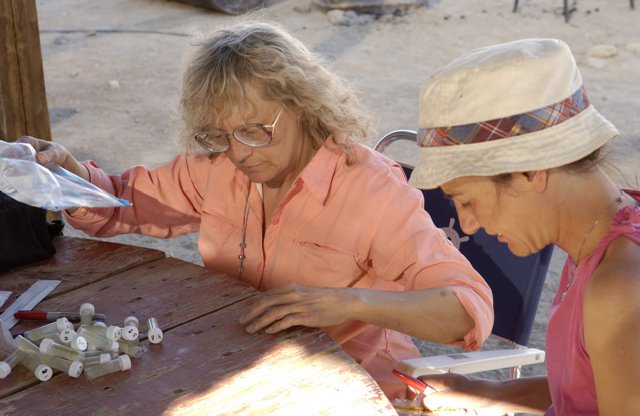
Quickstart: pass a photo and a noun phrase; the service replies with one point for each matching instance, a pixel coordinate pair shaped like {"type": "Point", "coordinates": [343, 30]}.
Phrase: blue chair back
{"type": "Point", "coordinates": [516, 282]}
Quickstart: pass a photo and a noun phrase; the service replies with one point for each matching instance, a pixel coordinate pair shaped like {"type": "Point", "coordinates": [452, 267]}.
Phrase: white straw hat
{"type": "Point", "coordinates": [511, 107]}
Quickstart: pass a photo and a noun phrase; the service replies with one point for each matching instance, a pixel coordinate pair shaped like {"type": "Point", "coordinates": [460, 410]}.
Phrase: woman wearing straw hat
{"type": "Point", "coordinates": [284, 200]}
{"type": "Point", "coordinates": [509, 134]}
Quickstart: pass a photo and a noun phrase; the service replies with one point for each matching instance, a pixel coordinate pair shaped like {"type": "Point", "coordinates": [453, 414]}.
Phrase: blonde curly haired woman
{"type": "Point", "coordinates": [285, 200]}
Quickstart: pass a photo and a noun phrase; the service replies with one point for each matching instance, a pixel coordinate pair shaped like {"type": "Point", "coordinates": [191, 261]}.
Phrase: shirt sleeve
{"type": "Point", "coordinates": [166, 201]}
{"type": "Point", "coordinates": [408, 248]}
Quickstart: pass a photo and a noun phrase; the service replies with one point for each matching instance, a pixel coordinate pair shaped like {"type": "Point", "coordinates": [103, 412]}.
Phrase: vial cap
{"type": "Point", "coordinates": [66, 335]}
{"type": "Point", "coordinates": [105, 358]}
{"type": "Point", "coordinates": [43, 372]}
{"type": "Point", "coordinates": [5, 369]}
{"type": "Point", "coordinates": [114, 333]}
{"type": "Point", "coordinates": [45, 345]}
{"type": "Point", "coordinates": [79, 343]}
{"type": "Point", "coordinates": [125, 362]}
{"type": "Point", "coordinates": [100, 324]}
{"type": "Point", "coordinates": [131, 320]}
{"type": "Point", "coordinates": [75, 369]}
{"type": "Point", "coordinates": [87, 309]}
{"type": "Point", "coordinates": [155, 335]}
{"type": "Point", "coordinates": [130, 333]}
{"type": "Point", "coordinates": [63, 323]}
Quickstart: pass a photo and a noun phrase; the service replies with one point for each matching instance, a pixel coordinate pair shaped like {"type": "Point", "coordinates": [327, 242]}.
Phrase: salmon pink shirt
{"type": "Point", "coordinates": [338, 226]}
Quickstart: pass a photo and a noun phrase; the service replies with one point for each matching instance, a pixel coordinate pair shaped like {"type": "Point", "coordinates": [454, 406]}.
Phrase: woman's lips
{"type": "Point", "coordinates": [252, 168]}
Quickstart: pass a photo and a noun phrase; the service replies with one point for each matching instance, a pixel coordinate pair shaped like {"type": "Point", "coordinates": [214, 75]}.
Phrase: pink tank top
{"type": "Point", "coordinates": [569, 371]}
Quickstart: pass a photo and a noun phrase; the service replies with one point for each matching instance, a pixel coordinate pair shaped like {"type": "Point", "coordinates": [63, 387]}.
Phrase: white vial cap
{"type": "Point", "coordinates": [79, 343]}
{"type": "Point", "coordinates": [45, 345]}
{"type": "Point", "coordinates": [114, 333]}
{"type": "Point", "coordinates": [100, 323]}
{"type": "Point", "coordinates": [66, 335]}
{"type": "Point", "coordinates": [87, 309]}
{"type": "Point", "coordinates": [115, 346]}
{"type": "Point", "coordinates": [155, 335]}
{"type": "Point", "coordinates": [105, 358]}
{"type": "Point", "coordinates": [131, 320]}
{"type": "Point", "coordinates": [63, 323]}
{"type": "Point", "coordinates": [130, 333]}
{"type": "Point", "coordinates": [43, 372]}
{"type": "Point", "coordinates": [75, 369]}
{"type": "Point", "coordinates": [5, 369]}
{"type": "Point", "coordinates": [125, 362]}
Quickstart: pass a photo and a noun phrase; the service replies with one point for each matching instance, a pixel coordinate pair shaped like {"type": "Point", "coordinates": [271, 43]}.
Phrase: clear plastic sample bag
{"type": "Point", "coordinates": [50, 187]}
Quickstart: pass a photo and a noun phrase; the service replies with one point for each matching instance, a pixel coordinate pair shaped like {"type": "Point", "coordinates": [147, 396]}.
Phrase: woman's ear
{"type": "Point", "coordinates": [537, 179]}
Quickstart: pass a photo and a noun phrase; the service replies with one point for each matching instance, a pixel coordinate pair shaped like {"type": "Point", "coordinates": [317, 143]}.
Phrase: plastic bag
{"type": "Point", "coordinates": [50, 187]}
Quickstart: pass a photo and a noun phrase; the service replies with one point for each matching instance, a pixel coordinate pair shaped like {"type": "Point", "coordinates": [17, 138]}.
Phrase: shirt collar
{"type": "Point", "coordinates": [319, 172]}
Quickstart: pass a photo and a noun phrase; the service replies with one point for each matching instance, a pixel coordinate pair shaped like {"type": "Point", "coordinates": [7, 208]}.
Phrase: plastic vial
{"type": "Point", "coordinates": [72, 339]}
{"type": "Point", "coordinates": [131, 349]}
{"type": "Point", "coordinates": [72, 368]}
{"type": "Point", "coordinates": [27, 346]}
{"type": "Point", "coordinates": [122, 363]}
{"type": "Point", "coordinates": [49, 346]}
{"type": "Point", "coordinates": [155, 333]}
{"type": "Point", "coordinates": [112, 332]}
{"type": "Point", "coordinates": [102, 358]}
{"type": "Point", "coordinates": [42, 371]}
{"type": "Point", "coordinates": [130, 331]}
{"type": "Point", "coordinates": [86, 314]}
{"type": "Point", "coordinates": [49, 330]}
{"type": "Point", "coordinates": [7, 343]}
{"type": "Point", "coordinates": [94, 338]}
{"type": "Point", "coordinates": [10, 362]}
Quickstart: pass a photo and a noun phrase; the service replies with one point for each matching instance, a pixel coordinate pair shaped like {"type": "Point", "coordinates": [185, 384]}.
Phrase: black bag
{"type": "Point", "coordinates": [25, 234]}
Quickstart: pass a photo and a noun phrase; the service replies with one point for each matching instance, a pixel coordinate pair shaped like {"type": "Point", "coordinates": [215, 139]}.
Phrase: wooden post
{"type": "Point", "coordinates": [23, 101]}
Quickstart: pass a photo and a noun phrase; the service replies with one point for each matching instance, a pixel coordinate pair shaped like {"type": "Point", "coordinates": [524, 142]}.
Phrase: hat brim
{"type": "Point", "coordinates": [583, 133]}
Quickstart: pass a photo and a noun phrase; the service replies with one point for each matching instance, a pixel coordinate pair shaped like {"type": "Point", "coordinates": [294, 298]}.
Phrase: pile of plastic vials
{"type": "Point", "coordinates": [90, 346]}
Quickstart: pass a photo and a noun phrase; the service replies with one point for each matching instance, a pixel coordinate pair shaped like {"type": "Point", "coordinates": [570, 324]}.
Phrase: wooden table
{"type": "Point", "coordinates": [206, 365]}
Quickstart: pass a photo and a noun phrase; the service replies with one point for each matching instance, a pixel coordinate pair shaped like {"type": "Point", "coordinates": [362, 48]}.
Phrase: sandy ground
{"type": "Point", "coordinates": [112, 72]}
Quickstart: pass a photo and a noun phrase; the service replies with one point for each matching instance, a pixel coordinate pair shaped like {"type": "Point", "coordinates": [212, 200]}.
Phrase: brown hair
{"type": "Point", "coordinates": [588, 162]}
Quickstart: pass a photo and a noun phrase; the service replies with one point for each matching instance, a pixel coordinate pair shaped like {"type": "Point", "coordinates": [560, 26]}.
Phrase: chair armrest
{"type": "Point", "coordinates": [471, 362]}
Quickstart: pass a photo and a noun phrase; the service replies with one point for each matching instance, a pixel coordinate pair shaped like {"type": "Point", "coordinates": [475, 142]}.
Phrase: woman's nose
{"type": "Point", "coordinates": [238, 151]}
{"type": "Point", "coordinates": [468, 223]}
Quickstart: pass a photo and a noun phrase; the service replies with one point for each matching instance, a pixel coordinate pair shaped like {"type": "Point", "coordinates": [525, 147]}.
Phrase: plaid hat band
{"type": "Point", "coordinates": [511, 126]}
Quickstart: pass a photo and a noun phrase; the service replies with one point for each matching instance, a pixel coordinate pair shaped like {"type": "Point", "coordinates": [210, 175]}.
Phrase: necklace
{"type": "Point", "coordinates": [243, 243]}
{"type": "Point", "coordinates": [572, 271]}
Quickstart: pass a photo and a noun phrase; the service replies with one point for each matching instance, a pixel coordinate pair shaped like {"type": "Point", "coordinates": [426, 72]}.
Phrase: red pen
{"type": "Point", "coordinates": [412, 381]}
{"type": "Point", "coordinates": [52, 316]}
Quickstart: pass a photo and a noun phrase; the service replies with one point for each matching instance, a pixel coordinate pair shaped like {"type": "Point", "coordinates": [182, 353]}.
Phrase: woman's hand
{"type": "Point", "coordinates": [460, 395]}
{"type": "Point", "coordinates": [50, 152]}
{"type": "Point", "coordinates": [295, 304]}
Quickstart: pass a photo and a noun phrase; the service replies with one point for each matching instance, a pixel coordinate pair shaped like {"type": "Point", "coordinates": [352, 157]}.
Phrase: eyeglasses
{"type": "Point", "coordinates": [252, 135]}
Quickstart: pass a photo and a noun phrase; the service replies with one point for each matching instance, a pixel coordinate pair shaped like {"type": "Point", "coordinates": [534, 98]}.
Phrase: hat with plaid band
{"type": "Point", "coordinates": [511, 107]}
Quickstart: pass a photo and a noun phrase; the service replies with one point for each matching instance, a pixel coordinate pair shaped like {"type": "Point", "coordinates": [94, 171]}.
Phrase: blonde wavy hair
{"type": "Point", "coordinates": [282, 68]}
